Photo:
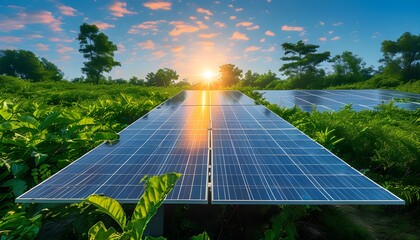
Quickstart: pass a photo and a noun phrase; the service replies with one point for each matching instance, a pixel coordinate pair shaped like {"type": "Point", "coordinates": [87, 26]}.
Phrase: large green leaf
{"type": "Point", "coordinates": [99, 232]}
{"type": "Point", "coordinates": [202, 236]}
{"type": "Point", "coordinates": [157, 188]}
{"type": "Point", "coordinates": [18, 169]}
{"type": "Point", "coordinates": [49, 120]}
{"type": "Point", "coordinates": [29, 122]}
{"type": "Point", "coordinates": [18, 185]}
{"type": "Point", "coordinates": [110, 207]}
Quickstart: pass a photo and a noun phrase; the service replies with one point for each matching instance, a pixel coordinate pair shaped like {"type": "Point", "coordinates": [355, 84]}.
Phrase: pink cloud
{"type": "Point", "coordinates": [181, 28]}
{"type": "Point", "coordinates": [177, 48]}
{"type": "Point", "coordinates": [208, 35]}
{"type": "Point", "coordinates": [10, 39]}
{"type": "Point", "coordinates": [121, 48]}
{"type": "Point", "coordinates": [243, 24]}
{"type": "Point", "coordinates": [262, 40]}
{"type": "Point", "coordinates": [42, 47]}
{"type": "Point", "coordinates": [252, 49]}
{"type": "Point", "coordinates": [148, 25]}
{"type": "Point", "coordinates": [159, 54]}
{"type": "Point", "coordinates": [201, 25]}
{"type": "Point", "coordinates": [239, 9]}
{"type": "Point", "coordinates": [202, 10]}
{"type": "Point", "coordinates": [207, 17]}
{"type": "Point", "coordinates": [255, 27]}
{"type": "Point", "coordinates": [206, 43]}
{"type": "Point", "coordinates": [22, 19]}
{"type": "Point", "coordinates": [119, 9]}
{"type": "Point", "coordinates": [158, 5]}
{"type": "Point", "coordinates": [56, 39]}
{"type": "Point", "coordinates": [103, 25]}
{"type": "Point", "coordinates": [67, 11]}
{"type": "Point", "coordinates": [147, 44]}
{"type": "Point", "coordinates": [271, 49]}
{"type": "Point", "coordinates": [321, 23]}
{"type": "Point", "coordinates": [33, 36]}
{"type": "Point", "coordinates": [322, 39]}
{"type": "Point", "coordinates": [220, 24]}
{"type": "Point", "coordinates": [335, 38]}
{"type": "Point", "coordinates": [63, 49]}
{"type": "Point", "coordinates": [239, 36]}
{"type": "Point", "coordinates": [232, 17]}
{"type": "Point", "coordinates": [193, 18]}
{"type": "Point", "coordinates": [270, 33]}
{"type": "Point", "coordinates": [292, 28]}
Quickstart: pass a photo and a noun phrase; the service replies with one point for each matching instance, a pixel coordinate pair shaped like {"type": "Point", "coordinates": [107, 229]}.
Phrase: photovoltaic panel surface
{"type": "Point", "coordinates": [253, 157]}
{"type": "Point", "coordinates": [258, 158]}
{"type": "Point", "coordinates": [171, 138]}
{"type": "Point", "coordinates": [334, 100]}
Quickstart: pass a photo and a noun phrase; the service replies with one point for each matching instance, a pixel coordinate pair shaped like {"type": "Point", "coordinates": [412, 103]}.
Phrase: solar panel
{"type": "Point", "coordinates": [171, 138]}
{"type": "Point", "coordinates": [258, 158]}
{"type": "Point", "coordinates": [219, 141]}
{"type": "Point", "coordinates": [334, 100]}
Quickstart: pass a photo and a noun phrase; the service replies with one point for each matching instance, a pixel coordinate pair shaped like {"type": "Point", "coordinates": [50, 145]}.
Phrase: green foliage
{"type": "Point", "coordinates": [98, 51]}
{"type": "Point", "coordinates": [284, 223]}
{"type": "Point", "coordinates": [348, 68]}
{"type": "Point", "coordinates": [229, 75]}
{"type": "Point", "coordinates": [164, 77]}
{"type": "Point", "coordinates": [25, 65]}
{"type": "Point", "coordinates": [157, 188]}
{"type": "Point", "coordinates": [16, 225]}
{"type": "Point", "coordinates": [202, 236]}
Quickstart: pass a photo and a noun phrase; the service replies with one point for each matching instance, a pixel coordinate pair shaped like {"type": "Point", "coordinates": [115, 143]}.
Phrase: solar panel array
{"type": "Point", "coordinates": [224, 145]}
{"type": "Point", "coordinates": [334, 100]}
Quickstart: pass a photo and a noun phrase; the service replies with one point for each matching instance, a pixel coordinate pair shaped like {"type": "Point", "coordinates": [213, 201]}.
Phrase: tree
{"type": "Point", "coordinates": [265, 79]}
{"type": "Point", "coordinates": [26, 65]}
{"type": "Point", "coordinates": [137, 81]}
{"type": "Point", "coordinates": [229, 75]}
{"type": "Point", "coordinates": [98, 51]}
{"type": "Point", "coordinates": [303, 61]}
{"type": "Point", "coordinates": [349, 68]}
{"type": "Point", "coordinates": [249, 78]}
{"type": "Point", "coordinates": [402, 56]}
{"type": "Point", "coordinates": [163, 77]}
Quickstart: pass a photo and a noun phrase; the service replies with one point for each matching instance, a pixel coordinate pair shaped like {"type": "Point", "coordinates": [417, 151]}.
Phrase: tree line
{"type": "Point", "coordinates": [302, 66]}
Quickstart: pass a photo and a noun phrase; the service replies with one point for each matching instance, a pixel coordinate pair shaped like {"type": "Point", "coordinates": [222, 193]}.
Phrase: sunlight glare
{"type": "Point", "coordinates": [209, 75]}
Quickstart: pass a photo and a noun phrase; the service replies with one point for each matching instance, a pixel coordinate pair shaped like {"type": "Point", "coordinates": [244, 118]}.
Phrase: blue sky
{"type": "Point", "coordinates": [192, 37]}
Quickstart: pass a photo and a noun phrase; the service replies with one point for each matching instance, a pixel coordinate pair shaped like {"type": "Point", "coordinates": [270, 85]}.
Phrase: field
{"type": "Point", "coordinates": [45, 126]}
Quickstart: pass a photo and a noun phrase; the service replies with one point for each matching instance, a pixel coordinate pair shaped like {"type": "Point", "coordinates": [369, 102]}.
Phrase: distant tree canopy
{"type": "Point", "coordinates": [349, 68]}
{"type": "Point", "coordinates": [164, 77]}
{"type": "Point", "coordinates": [24, 64]}
{"type": "Point", "coordinates": [303, 61]}
{"type": "Point", "coordinates": [98, 51]}
{"type": "Point", "coordinates": [229, 75]}
{"type": "Point", "coordinates": [402, 57]}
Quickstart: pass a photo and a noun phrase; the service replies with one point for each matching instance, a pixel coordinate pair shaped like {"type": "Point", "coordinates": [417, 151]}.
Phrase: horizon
{"type": "Point", "coordinates": [196, 37]}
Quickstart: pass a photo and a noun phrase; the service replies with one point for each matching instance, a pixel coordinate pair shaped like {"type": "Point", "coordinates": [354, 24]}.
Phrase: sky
{"type": "Point", "coordinates": [193, 37]}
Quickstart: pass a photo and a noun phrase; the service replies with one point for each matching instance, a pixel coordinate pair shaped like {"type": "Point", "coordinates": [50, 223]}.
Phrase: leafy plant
{"type": "Point", "coordinates": [157, 188]}
{"type": "Point", "coordinates": [284, 223]}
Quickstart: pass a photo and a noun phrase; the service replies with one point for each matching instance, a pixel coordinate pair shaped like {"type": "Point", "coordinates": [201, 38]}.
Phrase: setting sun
{"type": "Point", "coordinates": [209, 75]}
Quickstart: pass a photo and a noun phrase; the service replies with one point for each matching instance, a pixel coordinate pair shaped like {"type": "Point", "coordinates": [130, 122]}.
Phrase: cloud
{"type": "Point", "coordinates": [220, 24]}
{"type": "Point", "coordinates": [42, 47]}
{"type": "Point", "coordinates": [271, 49]}
{"type": "Point", "coordinates": [292, 28]}
{"type": "Point", "coordinates": [252, 49]}
{"type": "Point", "coordinates": [202, 10]}
{"type": "Point", "coordinates": [232, 17]}
{"type": "Point", "coordinates": [119, 9]}
{"type": "Point", "coordinates": [10, 39]}
{"type": "Point", "coordinates": [206, 44]}
{"type": "Point", "coordinates": [149, 44]}
{"type": "Point", "coordinates": [148, 25]}
{"type": "Point", "coordinates": [255, 27]}
{"type": "Point", "coordinates": [239, 9]}
{"type": "Point", "coordinates": [22, 19]}
{"type": "Point", "coordinates": [103, 25]}
{"type": "Point", "coordinates": [243, 24]}
{"type": "Point", "coordinates": [33, 36]}
{"type": "Point", "coordinates": [262, 40]}
{"type": "Point", "coordinates": [121, 48]}
{"type": "Point", "coordinates": [335, 38]}
{"type": "Point", "coordinates": [158, 5]}
{"type": "Point", "coordinates": [322, 39]}
{"type": "Point", "coordinates": [321, 23]}
{"type": "Point", "coordinates": [67, 11]}
{"type": "Point", "coordinates": [239, 36]}
{"type": "Point", "coordinates": [181, 28]}
{"type": "Point", "coordinates": [337, 24]}
{"type": "Point", "coordinates": [56, 39]}
{"type": "Point", "coordinates": [270, 33]}
{"type": "Point", "coordinates": [193, 18]}
{"type": "Point", "coordinates": [159, 54]}
{"type": "Point", "coordinates": [208, 35]}
{"type": "Point", "coordinates": [201, 25]}
{"type": "Point", "coordinates": [207, 17]}
{"type": "Point", "coordinates": [177, 48]}
{"type": "Point", "coordinates": [63, 49]}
